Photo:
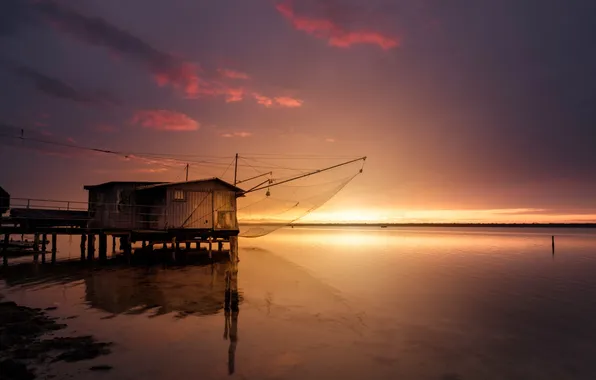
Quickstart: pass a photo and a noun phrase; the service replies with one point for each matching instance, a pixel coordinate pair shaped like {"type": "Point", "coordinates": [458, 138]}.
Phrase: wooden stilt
{"type": "Point", "coordinates": [219, 246]}
{"type": "Point", "coordinates": [90, 247]}
{"type": "Point", "coordinates": [44, 238]}
{"type": "Point", "coordinates": [113, 244]}
{"type": "Point", "coordinates": [54, 247]}
{"type": "Point", "coordinates": [103, 246]}
{"type": "Point", "coordinates": [83, 244]}
{"type": "Point", "coordinates": [36, 242]}
{"type": "Point", "coordinates": [5, 250]}
{"type": "Point", "coordinates": [144, 244]}
{"type": "Point", "coordinates": [127, 247]}
{"type": "Point", "coordinates": [210, 249]}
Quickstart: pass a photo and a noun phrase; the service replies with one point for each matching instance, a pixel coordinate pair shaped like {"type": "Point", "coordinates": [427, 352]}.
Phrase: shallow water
{"type": "Point", "coordinates": [351, 303]}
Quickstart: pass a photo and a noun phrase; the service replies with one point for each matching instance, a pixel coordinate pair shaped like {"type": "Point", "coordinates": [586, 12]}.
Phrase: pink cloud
{"type": "Point", "coordinates": [71, 140]}
{"type": "Point", "coordinates": [233, 74]}
{"type": "Point", "coordinates": [165, 68]}
{"type": "Point", "coordinates": [285, 101]}
{"type": "Point", "coordinates": [164, 120]}
{"type": "Point", "coordinates": [236, 134]}
{"type": "Point", "coordinates": [233, 94]}
{"type": "Point", "coordinates": [330, 140]}
{"type": "Point", "coordinates": [264, 100]}
{"type": "Point", "coordinates": [335, 34]}
{"type": "Point", "coordinates": [182, 76]}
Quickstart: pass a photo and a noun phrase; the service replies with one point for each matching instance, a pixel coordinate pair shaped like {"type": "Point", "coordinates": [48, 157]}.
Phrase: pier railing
{"type": "Point", "coordinates": [50, 204]}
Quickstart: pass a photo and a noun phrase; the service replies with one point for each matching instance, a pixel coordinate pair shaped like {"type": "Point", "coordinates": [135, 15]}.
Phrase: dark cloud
{"type": "Point", "coordinates": [96, 31]}
{"type": "Point", "coordinates": [57, 88]}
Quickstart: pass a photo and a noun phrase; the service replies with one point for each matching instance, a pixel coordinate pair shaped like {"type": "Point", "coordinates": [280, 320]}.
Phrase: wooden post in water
{"type": "Point", "coordinates": [54, 248]}
{"type": "Point", "coordinates": [113, 244]}
{"type": "Point", "coordinates": [210, 247]}
{"type": "Point", "coordinates": [5, 250]}
{"type": "Point", "coordinates": [44, 238]}
{"type": "Point", "coordinates": [36, 242]}
{"type": "Point", "coordinates": [127, 247]}
{"type": "Point", "coordinates": [83, 244]}
{"type": "Point", "coordinates": [103, 246]}
{"type": "Point", "coordinates": [219, 246]}
{"type": "Point", "coordinates": [553, 243]}
{"type": "Point", "coordinates": [90, 247]}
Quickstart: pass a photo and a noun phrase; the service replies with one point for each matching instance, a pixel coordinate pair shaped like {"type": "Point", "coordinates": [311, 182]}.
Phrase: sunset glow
{"type": "Point", "coordinates": [461, 121]}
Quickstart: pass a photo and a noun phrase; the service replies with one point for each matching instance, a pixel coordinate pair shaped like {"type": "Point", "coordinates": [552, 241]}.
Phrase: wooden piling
{"type": "Point", "coordinates": [36, 242]}
{"type": "Point", "coordinates": [553, 243]}
{"type": "Point", "coordinates": [5, 250]}
{"type": "Point", "coordinates": [126, 247]}
{"type": "Point", "coordinates": [44, 237]}
{"type": "Point", "coordinates": [210, 249]}
{"type": "Point", "coordinates": [103, 246]}
{"type": "Point", "coordinates": [90, 247]}
{"type": "Point", "coordinates": [83, 244]}
{"type": "Point", "coordinates": [144, 244]}
{"type": "Point", "coordinates": [113, 244]}
{"type": "Point", "coordinates": [54, 247]}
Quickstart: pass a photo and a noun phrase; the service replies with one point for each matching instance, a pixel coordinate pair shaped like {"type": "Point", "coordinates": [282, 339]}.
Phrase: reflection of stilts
{"type": "Point", "coordinates": [231, 308]}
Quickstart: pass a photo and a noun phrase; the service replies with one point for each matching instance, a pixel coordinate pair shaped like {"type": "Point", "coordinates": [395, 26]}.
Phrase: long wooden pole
{"type": "Point", "coordinates": [236, 170]}
{"type": "Point", "coordinates": [305, 175]}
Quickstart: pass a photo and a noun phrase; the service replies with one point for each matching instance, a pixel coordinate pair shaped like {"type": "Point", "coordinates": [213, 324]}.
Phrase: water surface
{"type": "Point", "coordinates": [349, 303]}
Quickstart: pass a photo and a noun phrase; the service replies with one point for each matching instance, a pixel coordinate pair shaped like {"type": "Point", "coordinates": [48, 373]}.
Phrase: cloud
{"type": "Point", "coordinates": [56, 88]}
{"type": "Point", "coordinates": [282, 101]}
{"type": "Point", "coordinates": [285, 101]}
{"type": "Point", "coordinates": [164, 120]}
{"type": "Point", "coordinates": [233, 94]}
{"type": "Point", "coordinates": [263, 100]}
{"type": "Point", "coordinates": [330, 140]}
{"type": "Point", "coordinates": [71, 140]}
{"type": "Point", "coordinates": [165, 68]}
{"type": "Point", "coordinates": [233, 74]}
{"type": "Point", "coordinates": [236, 134]}
{"type": "Point", "coordinates": [332, 31]}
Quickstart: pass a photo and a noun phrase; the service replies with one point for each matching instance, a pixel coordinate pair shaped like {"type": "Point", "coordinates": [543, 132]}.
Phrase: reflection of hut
{"type": "Point", "coordinates": [189, 290]}
{"type": "Point", "coordinates": [202, 205]}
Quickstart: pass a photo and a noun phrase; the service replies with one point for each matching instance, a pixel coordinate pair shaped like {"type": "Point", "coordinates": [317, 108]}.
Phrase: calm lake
{"type": "Point", "coordinates": [349, 303]}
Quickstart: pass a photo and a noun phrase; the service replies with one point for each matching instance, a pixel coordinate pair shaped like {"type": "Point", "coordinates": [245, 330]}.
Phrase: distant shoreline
{"type": "Point", "coordinates": [449, 225]}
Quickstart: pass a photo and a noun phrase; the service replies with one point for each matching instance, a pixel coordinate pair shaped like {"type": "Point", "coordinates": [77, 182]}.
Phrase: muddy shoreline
{"type": "Point", "coordinates": [27, 342]}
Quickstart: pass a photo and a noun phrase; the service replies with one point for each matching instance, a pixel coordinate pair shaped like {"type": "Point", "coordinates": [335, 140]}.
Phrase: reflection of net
{"type": "Point", "coordinates": [259, 214]}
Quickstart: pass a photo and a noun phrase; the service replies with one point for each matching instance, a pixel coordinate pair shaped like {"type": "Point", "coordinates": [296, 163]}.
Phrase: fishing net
{"type": "Point", "coordinates": [278, 204]}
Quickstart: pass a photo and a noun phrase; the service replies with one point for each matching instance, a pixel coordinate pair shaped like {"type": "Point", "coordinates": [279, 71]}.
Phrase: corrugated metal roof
{"type": "Point", "coordinates": [114, 183]}
{"type": "Point", "coordinates": [213, 179]}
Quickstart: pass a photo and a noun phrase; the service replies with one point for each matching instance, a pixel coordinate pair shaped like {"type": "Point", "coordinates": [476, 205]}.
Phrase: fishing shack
{"type": "Point", "coordinates": [202, 207]}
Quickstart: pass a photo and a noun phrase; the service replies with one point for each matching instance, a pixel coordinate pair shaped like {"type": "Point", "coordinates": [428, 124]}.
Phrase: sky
{"type": "Point", "coordinates": [466, 110]}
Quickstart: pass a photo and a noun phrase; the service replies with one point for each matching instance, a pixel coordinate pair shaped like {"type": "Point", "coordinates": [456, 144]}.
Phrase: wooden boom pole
{"type": "Point", "coordinates": [304, 175]}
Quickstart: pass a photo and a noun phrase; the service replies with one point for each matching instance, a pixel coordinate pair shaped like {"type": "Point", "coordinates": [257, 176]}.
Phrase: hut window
{"type": "Point", "coordinates": [178, 195]}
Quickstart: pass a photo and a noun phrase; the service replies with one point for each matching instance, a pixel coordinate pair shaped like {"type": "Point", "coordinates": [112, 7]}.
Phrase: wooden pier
{"type": "Point", "coordinates": [47, 224]}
